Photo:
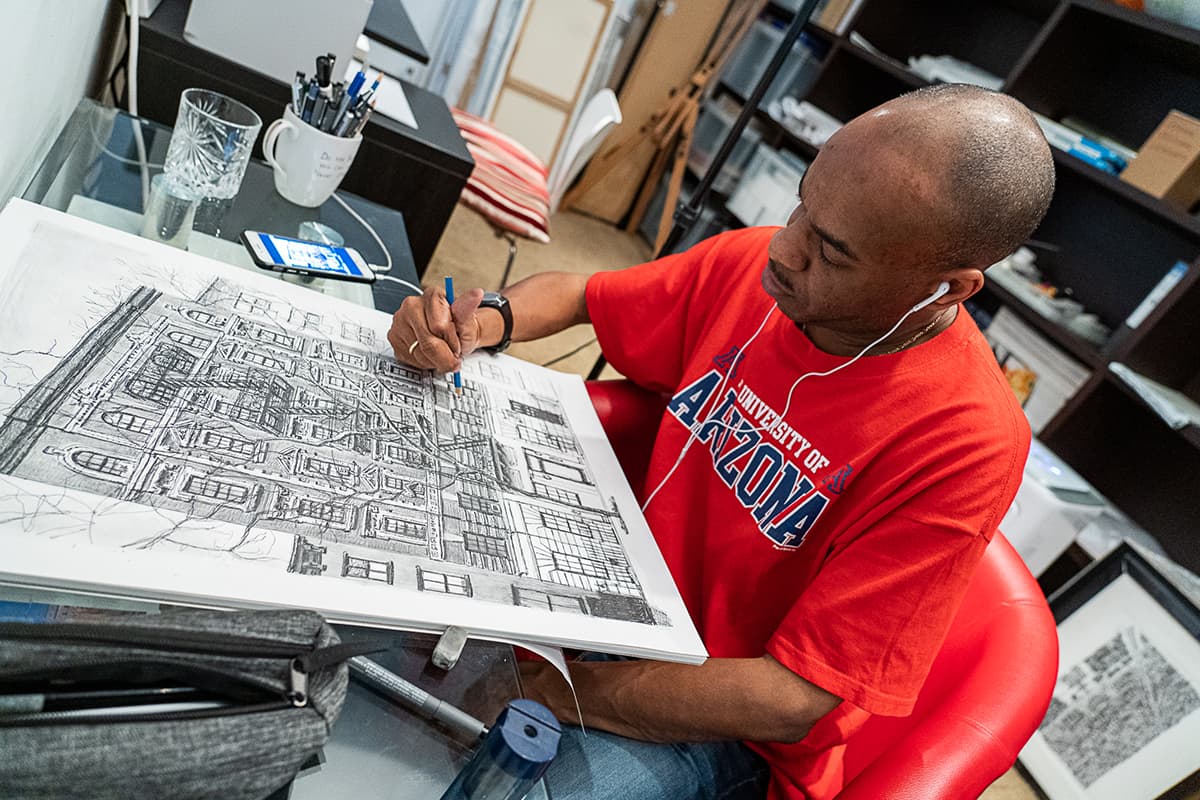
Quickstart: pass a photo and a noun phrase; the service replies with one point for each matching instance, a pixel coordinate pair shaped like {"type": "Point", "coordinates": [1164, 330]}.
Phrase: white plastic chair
{"type": "Point", "coordinates": [599, 116]}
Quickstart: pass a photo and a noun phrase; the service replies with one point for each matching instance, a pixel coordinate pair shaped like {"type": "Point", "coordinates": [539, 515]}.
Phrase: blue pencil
{"type": "Point", "coordinates": [450, 300]}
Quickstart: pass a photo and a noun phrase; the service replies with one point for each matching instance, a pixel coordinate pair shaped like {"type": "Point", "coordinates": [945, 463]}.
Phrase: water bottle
{"type": "Point", "coordinates": [512, 757]}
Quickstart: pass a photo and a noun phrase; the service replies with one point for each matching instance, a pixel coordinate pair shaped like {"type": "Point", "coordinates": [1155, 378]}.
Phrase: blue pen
{"type": "Point", "coordinates": [356, 84]}
{"type": "Point", "coordinates": [450, 300]}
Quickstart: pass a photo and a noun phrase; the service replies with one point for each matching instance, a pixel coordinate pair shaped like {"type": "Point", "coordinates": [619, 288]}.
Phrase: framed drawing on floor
{"type": "Point", "coordinates": [1125, 715]}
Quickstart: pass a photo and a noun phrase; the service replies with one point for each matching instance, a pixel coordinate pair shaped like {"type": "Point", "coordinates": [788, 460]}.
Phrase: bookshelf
{"type": "Point", "coordinates": [1121, 72]}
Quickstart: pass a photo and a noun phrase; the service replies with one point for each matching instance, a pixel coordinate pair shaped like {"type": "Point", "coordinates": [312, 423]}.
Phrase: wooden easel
{"type": "Point", "coordinates": [670, 128]}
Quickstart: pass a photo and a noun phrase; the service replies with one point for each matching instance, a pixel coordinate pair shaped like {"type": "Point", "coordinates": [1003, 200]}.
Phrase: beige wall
{"type": "Point", "coordinates": [54, 53]}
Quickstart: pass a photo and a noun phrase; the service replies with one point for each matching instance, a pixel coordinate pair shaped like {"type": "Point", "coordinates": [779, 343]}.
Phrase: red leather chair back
{"type": "Point", "coordinates": [986, 693]}
{"type": "Point", "coordinates": [989, 685]}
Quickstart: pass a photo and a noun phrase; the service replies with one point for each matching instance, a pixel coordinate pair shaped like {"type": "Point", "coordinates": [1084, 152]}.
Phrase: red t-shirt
{"type": "Point", "coordinates": [839, 539]}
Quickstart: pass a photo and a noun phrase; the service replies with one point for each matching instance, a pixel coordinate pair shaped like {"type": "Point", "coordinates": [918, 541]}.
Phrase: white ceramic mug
{"type": "Point", "coordinates": [309, 164]}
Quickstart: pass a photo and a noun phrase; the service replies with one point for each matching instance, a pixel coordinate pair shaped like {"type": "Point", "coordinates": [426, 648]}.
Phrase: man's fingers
{"type": "Point", "coordinates": [430, 351]}
{"type": "Point", "coordinates": [463, 310]}
{"type": "Point", "coordinates": [438, 320]}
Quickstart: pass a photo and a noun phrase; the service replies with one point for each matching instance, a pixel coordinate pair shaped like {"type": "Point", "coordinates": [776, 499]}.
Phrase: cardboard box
{"type": "Point", "coordinates": [1168, 165]}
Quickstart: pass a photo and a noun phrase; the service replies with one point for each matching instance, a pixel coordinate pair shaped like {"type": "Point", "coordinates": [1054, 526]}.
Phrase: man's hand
{"type": "Point", "coordinates": [429, 333]}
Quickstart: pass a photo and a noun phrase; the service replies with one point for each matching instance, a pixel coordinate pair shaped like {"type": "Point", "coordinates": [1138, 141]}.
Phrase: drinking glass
{"type": "Point", "coordinates": [209, 150]}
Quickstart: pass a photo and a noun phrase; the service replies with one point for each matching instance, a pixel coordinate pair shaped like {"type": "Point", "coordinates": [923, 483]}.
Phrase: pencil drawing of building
{"type": "Point", "coordinates": [243, 409]}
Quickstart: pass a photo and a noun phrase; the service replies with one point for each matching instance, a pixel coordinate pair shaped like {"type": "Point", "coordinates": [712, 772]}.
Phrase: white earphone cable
{"type": "Point", "coordinates": [694, 429]}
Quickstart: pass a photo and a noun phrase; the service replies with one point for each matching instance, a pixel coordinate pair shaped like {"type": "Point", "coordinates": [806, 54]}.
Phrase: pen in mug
{"type": "Point", "coordinates": [362, 122]}
{"type": "Point", "coordinates": [450, 300]}
{"type": "Point", "coordinates": [310, 99]}
{"type": "Point", "coordinates": [296, 89]}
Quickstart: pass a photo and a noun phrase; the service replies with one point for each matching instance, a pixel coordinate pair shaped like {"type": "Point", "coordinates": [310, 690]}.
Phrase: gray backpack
{"type": "Point", "coordinates": [184, 704]}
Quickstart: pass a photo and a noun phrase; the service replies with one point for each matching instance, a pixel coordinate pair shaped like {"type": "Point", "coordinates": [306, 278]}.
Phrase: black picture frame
{"type": "Point", "coordinates": [1088, 744]}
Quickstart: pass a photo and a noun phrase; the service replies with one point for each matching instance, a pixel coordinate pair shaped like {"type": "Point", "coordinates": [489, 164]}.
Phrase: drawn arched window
{"type": "Point", "coordinates": [128, 422]}
{"type": "Point", "coordinates": [100, 463]}
{"type": "Point", "coordinates": [189, 340]}
{"type": "Point", "coordinates": [204, 318]}
{"type": "Point", "coordinates": [172, 359]}
{"type": "Point", "coordinates": [153, 391]}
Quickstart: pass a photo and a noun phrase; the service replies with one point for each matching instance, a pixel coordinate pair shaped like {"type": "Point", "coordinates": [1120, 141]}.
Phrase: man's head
{"type": "Point", "coordinates": [932, 186]}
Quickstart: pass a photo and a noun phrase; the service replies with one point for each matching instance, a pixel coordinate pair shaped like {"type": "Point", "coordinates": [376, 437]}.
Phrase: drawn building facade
{"type": "Point", "coordinates": [241, 408]}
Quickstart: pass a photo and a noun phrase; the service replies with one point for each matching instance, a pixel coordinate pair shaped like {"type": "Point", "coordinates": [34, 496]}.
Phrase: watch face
{"type": "Point", "coordinates": [494, 299]}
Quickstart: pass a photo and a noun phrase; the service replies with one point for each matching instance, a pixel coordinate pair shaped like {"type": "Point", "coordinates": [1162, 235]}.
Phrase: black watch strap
{"type": "Point", "coordinates": [500, 303]}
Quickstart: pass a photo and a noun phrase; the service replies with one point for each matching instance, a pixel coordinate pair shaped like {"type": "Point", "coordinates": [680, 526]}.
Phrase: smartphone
{"type": "Point", "coordinates": [284, 254]}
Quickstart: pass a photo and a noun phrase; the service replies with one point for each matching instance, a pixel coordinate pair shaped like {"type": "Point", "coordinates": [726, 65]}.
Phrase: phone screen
{"type": "Point", "coordinates": [311, 256]}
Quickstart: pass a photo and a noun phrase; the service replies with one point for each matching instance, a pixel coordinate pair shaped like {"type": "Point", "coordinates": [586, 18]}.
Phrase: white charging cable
{"type": "Point", "coordinates": [131, 68]}
{"type": "Point", "coordinates": [386, 253]}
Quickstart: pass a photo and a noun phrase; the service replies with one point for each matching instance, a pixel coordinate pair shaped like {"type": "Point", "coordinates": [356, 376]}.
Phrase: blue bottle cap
{"type": "Point", "coordinates": [524, 739]}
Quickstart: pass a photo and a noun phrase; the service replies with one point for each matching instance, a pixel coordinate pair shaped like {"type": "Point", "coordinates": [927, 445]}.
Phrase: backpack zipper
{"type": "Point", "coordinates": [193, 641]}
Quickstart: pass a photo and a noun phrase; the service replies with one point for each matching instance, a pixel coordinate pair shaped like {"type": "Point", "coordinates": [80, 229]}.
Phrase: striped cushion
{"type": "Point", "coordinates": [509, 183]}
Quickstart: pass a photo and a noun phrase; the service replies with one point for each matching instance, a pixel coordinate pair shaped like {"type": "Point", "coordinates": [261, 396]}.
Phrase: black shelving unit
{"type": "Point", "coordinates": [1121, 72]}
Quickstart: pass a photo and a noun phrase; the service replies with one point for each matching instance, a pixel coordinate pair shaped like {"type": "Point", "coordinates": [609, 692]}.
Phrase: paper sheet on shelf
{"type": "Point", "coordinates": [1176, 409]}
{"type": "Point", "coordinates": [390, 99]}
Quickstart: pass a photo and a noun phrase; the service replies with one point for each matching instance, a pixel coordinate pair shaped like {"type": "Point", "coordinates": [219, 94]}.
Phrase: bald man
{"type": "Point", "coordinates": [838, 450]}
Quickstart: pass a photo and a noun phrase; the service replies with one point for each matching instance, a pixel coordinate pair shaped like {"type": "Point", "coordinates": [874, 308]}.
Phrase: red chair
{"type": "Point", "coordinates": [989, 685]}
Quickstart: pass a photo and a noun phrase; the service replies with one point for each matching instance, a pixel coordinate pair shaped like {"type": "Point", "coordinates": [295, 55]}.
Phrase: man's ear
{"type": "Point", "coordinates": [964, 283]}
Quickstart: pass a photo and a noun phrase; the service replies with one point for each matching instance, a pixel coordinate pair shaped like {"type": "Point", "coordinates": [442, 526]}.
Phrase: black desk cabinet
{"type": "Point", "coordinates": [417, 172]}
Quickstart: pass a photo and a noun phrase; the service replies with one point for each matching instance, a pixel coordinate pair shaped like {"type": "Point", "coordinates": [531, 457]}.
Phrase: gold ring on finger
{"type": "Point", "coordinates": [413, 346]}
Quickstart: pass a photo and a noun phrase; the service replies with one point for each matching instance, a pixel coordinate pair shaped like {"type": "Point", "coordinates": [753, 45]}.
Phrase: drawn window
{"type": "Point", "coordinates": [172, 359]}
{"type": "Point", "coordinates": [326, 468]}
{"type": "Point", "coordinates": [563, 444]}
{"type": "Point", "coordinates": [101, 463]}
{"type": "Point", "coordinates": [567, 562]}
{"type": "Point", "coordinates": [394, 528]}
{"type": "Point", "coordinates": [366, 568]}
{"type": "Point", "coordinates": [555, 469]}
{"type": "Point", "coordinates": [535, 412]}
{"type": "Point", "coordinates": [395, 483]}
{"type": "Point", "coordinates": [484, 505]}
{"type": "Point", "coordinates": [312, 320]}
{"type": "Point", "coordinates": [532, 598]}
{"type": "Point", "coordinates": [392, 368]}
{"type": "Point", "coordinates": [484, 544]}
{"type": "Point", "coordinates": [216, 489]}
{"type": "Point", "coordinates": [337, 382]}
{"type": "Point", "coordinates": [153, 391]}
{"type": "Point", "coordinates": [352, 330]}
{"type": "Point", "coordinates": [276, 337]}
{"type": "Point", "coordinates": [326, 512]}
{"type": "Point", "coordinates": [406, 455]}
{"type": "Point", "coordinates": [203, 317]}
{"type": "Point", "coordinates": [189, 340]}
{"type": "Point", "coordinates": [319, 432]}
{"type": "Point", "coordinates": [249, 414]}
{"type": "Point", "coordinates": [128, 422]}
{"type": "Point", "coordinates": [443, 582]}
{"type": "Point", "coordinates": [555, 493]}
{"type": "Point", "coordinates": [255, 305]}
{"type": "Point", "coordinates": [563, 524]}
{"type": "Point", "coordinates": [356, 360]}
{"type": "Point", "coordinates": [262, 360]}
{"type": "Point", "coordinates": [215, 440]}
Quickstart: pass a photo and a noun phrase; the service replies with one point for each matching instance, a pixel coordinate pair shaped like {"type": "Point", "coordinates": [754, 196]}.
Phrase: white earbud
{"type": "Point", "coordinates": [942, 288]}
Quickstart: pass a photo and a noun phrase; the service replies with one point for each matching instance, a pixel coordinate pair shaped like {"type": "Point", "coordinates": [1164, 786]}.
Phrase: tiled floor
{"type": "Point", "coordinates": [471, 252]}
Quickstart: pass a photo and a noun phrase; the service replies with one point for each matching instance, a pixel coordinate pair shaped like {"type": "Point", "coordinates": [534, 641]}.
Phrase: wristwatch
{"type": "Point", "coordinates": [500, 303]}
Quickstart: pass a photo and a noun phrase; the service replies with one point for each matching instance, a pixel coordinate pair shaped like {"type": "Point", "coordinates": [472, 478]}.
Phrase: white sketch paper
{"type": "Point", "coordinates": [1126, 709]}
{"type": "Point", "coordinates": [175, 428]}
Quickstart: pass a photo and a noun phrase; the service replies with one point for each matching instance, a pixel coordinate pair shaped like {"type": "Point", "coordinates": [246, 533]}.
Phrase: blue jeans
{"type": "Point", "coordinates": [602, 765]}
